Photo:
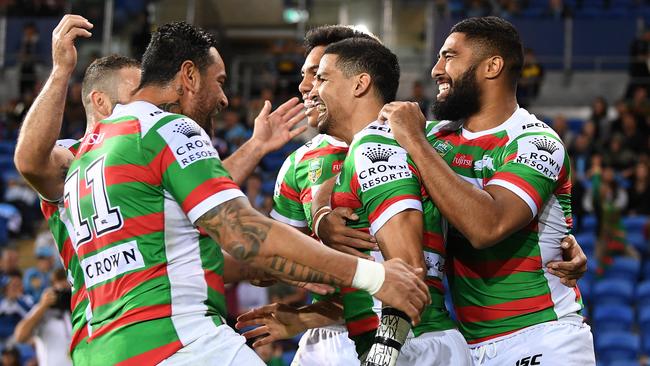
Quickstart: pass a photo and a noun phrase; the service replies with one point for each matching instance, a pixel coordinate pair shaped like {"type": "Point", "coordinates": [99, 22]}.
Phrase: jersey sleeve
{"type": "Point", "coordinates": [287, 206]}
{"type": "Point", "coordinates": [189, 168]}
{"type": "Point", "coordinates": [532, 167]}
{"type": "Point", "coordinates": [386, 179]}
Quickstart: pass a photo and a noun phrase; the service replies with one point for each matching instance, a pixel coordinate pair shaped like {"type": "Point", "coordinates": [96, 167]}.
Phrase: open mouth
{"type": "Point", "coordinates": [443, 90]}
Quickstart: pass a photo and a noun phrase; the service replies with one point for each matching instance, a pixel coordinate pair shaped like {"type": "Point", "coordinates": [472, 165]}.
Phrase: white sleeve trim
{"type": "Point", "coordinates": [213, 201]}
{"type": "Point", "coordinates": [518, 191]}
{"type": "Point", "coordinates": [279, 217]}
{"type": "Point", "coordinates": [393, 210]}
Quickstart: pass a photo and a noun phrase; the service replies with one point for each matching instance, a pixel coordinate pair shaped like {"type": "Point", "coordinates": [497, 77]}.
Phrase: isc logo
{"type": "Point", "coordinates": [529, 361]}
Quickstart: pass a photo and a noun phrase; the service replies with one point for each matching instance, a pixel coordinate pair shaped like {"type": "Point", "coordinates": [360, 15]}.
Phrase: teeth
{"type": "Point", "coordinates": [443, 87]}
{"type": "Point", "coordinates": [321, 108]}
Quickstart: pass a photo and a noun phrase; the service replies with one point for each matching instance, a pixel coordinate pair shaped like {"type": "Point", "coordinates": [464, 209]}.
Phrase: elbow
{"type": "Point", "coordinates": [24, 166]}
{"type": "Point", "coordinates": [487, 236]}
{"type": "Point", "coordinates": [20, 335]}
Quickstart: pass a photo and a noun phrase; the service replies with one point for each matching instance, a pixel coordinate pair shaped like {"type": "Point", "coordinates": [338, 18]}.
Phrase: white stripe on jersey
{"type": "Point", "coordinates": [393, 210]}
{"type": "Point", "coordinates": [213, 201]}
{"type": "Point", "coordinates": [279, 217]}
{"type": "Point", "coordinates": [518, 191]}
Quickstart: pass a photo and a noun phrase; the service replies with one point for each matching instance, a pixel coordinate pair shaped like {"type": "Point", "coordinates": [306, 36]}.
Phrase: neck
{"type": "Point", "coordinates": [165, 97]}
{"type": "Point", "coordinates": [496, 108]}
{"type": "Point", "coordinates": [358, 117]}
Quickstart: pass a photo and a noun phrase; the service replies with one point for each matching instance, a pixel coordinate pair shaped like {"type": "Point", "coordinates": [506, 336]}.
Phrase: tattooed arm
{"type": "Point", "coordinates": [282, 251]}
{"type": "Point", "coordinates": [43, 164]}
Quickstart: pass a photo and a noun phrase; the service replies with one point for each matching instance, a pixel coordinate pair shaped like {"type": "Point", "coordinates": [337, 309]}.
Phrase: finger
{"type": "Point", "coordinates": [297, 118]}
{"type": "Point", "coordinates": [351, 251]}
{"type": "Point", "coordinates": [413, 313]}
{"type": "Point", "coordinates": [358, 244]}
{"type": "Point", "coordinates": [265, 340]}
{"type": "Point", "coordinates": [346, 212]}
{"type": "Point", "coordinates": [73, 22]}
{"type": "Point", "coordinates": [286, 106]}
{"type": "Point", "coordinates": [77, 32]}
{"type": "Point", "coordinates": [360, 235]}
{"type": "Point", "coordinates": [294, 112]}
{"type": "Point", "coordinates": [298, 131]}
{"type": "Point", "coordinates": [259, 331]}
{"type": "Point", "coordinates": [318, 288]}
{"type": "Point", "coordinates": [266, 109]}
{"type": "Point", "coordinates": [568, 282]}
{"type": "Point", "coordinates": [570, 266]}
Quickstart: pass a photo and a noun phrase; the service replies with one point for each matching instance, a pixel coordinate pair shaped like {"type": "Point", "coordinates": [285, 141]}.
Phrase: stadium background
{"type": "Point", "coordinates": [587, 74]}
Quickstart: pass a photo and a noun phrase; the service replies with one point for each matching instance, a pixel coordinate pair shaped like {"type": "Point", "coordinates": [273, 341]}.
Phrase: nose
{"type": "Point", "coordinates": [223, 101]}
{"type": "Point", "coordinates": [313, 93]}
{"type": "Point", "coordinates": [306, 84]}
{"type": "Point", "coordinates": [438, 69]}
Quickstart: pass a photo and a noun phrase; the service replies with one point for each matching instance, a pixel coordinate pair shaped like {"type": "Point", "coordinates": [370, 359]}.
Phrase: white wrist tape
{"type": "Point", "coordinates": [369, 276]}
{"type": "Point", "coordinates": [318, 216]}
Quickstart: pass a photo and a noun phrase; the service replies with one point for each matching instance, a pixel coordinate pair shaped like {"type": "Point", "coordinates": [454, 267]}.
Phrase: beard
{"type": "Point", "coordinates": [203, 109]}
{"type": "Point", "coordinates": [462, 101]}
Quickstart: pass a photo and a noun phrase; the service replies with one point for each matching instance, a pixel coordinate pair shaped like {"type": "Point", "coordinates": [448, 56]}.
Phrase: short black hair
{"type": "Point", "coordinates": [358, 55]}
{"type": "Point", "coordinates": [170, 46]}
{"type": "Point", "coordinates": [100, 75]}
{"type": "Point", "coordinates": [327, 34]}
{"type": "Point", "coordinates": [495, 36]}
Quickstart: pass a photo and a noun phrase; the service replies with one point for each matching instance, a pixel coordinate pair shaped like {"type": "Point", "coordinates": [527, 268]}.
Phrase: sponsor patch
{"type": "Point", "coordinates": [541, 153]}
{"type": "Point", "coordinates": [486, 163]}
{"type": "Point", "coordinates": [378, 164]}
{"type": "Point", "coordinates": [463, 161]}
{"type": "Point", "coordinates": [315, 170]}
{"type": "Point", "coordinates": [435, 264]}
{"type": "Point", "coordinates": [111, 262]}
{"type": "Point", "coordinates": [337, 166]}
{"type": "Point", "coordinates": [187, 141]}
{"type": "Point", "coordinates": [442, 147]}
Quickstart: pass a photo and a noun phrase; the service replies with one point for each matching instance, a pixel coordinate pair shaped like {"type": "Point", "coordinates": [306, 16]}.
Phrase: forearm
{"type": "Point", "coordinates": [278, 249]}
{"type": "Point", "coordinates": [26, 326]}
{"type": "Point", "coordinates": [322, 196]}
{"type": "Point", "coordinates": [471, 210]}
{"type": "Point", "coordinates": [235, 271]}
{"type": "Point", "coordinates": [243, 161]}
{"type": "Point", "coordinates": [402, 236]}
{"type": "Point", "coordinates": [34, 156]}
{"type": "Point", "coordinates": [321, 314]}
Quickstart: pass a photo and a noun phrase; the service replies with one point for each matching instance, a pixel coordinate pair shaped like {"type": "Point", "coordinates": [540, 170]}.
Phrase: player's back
{"type": "Point", "coordinates": [137, 184]}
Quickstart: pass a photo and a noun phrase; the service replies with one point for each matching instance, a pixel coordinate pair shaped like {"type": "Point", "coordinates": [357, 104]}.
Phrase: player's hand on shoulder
{"type": "Point", "coordinates": [404, 289]}
{"type": "Point", "coordinates": [332, 230]}
{"type": "Point", "coordinates": [405, 119]}
{"type": "Point", "coordinates": [64, 53]}
{"type": "Point", "coordinates": [272, 130]}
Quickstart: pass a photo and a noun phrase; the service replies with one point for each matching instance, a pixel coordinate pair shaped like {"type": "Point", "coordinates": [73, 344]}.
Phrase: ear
{"type": "Point", "coordinates": [101, 103]}
{"type": "Point", "coordinates": [362, 84]}
{"type": "Point", "coordinates": [190, 77]}
{"type": "Point", "coordinates": [494, 66]}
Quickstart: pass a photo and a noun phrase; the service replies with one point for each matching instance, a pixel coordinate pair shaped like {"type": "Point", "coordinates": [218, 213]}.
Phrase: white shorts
{"type": "Point", "coordinates": [223, 347]}
{"type": "Point", "coordinates": [565, 342]}
{"type": "Point", "coordinates": [327, 346]}
{"type": "Point", "coordinates": [442, 348]}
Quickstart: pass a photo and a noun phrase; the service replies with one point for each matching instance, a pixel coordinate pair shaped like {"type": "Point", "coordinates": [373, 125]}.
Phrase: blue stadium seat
{"type": "Point", "coordinates": [4, 232]}
{"type": "Point", "coordinates": [6, 163]}
{"type": "Point", "coordinates": [589, 223]}
{"type": "Point", "coordinates": [7, 148]}
{"type": "Point", "coordinates": [613, 291]}
{"type": "Point", "coordinates": [626, 268]}
{"type": "Point", "coordinates": [643, 318]}
{"type": "Point", "coordinates": [646, 343]}
{"type": "Point", "coordinates": [585, 286]}
{"type": "Point", "coordinates": [587, 241]}
{"type": "Point", "coordinates": [617, 346]}
{"type": "Point", "coordinates": [635, 224]}
{"type": "Point", "coordinates": [612, 317]}
{"type": "Point", "coordinates": [625, 363]}
{"type": "Point", "coordinates": [643, 293]}
{"type": "Point", "coordinates": [638, 241]}
{"type": "Point", "coordinates": [287, 356]}
{"type": "Point", "coordinates": [27, 352]}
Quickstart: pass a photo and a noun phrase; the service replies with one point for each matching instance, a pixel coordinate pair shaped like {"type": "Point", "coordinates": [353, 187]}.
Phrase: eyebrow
{"type": "Point", "coordinates": [444, 53]}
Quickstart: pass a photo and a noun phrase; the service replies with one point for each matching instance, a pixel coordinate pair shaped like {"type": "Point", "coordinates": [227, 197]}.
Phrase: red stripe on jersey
{"type": "Point", "coordinates": [578, 294]}
{"type": "Point", "coordinates": [436, 283]}
{"type": "Point", "coordinates": [497, 268]}
{"type": "Point", "coordinates": [134, 226]}
{"type": "Point", "coordinates": [327, 150]}
{"type": "Point", "coordinates": [564, 186]}
{"type": "Point", "coordinates": [374, 215]}
{"type": "Point", "coordinates": [510, 157]}
{"type": "Point", "coordinates": [345, 199]}
{"type": "Point", "coordinates": [105, 131]}
{"type": "Point", "coordinates": [354, 183]}
{"type": "Point", "coordinates": [78, 336]}
{"type": "Point", "coordinates": [128, 173]}
{"type": "Point", "coordinates": [136, 315]}
{"type": "Point", "coordinates": [479, 340]}
{"type": "Point", "coordinates": [161, 162]}
{"type": "Point", "coordinates": [289, 193]}
{"type": "Point", "coordinates": [207, 189]}
{"type": "Point", "coordinates": [361, 326]}
{"type": "Point", "coordinates": [67, 252]}
{"type": "Point", "coordinates": [214, 281]}
{"type": "Point", "coordinates": [112, 291]}
{"type": "Point", "coordinates": [77, 297]}
{"type": "Point", "coordinates": [305, 196]}
{"type": "Point", "coordinates": [485, 313]}
{"type": "Point", "coordinates": [48, 209]}
{"type": "Point", "coordinates": [434, 241]}
{"type": "Point", "coordinates": [521, 183]}
{"type": "Point", "coordinates": [154, 356]}
{"type": "Point", "coordinates": [487, 142]}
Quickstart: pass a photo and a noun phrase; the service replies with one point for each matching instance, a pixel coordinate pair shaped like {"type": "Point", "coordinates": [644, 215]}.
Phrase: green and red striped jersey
{"type": "Point", "coordinates": [379, 180]}
{"type": "Point", "coordinates": [301, 175]}
{"type": "Point", "coordinates": [137, 185]}
{"type": "Point", "coordinates": [59, 225]}
{"type": "Point", "coordinates": [504, 288]}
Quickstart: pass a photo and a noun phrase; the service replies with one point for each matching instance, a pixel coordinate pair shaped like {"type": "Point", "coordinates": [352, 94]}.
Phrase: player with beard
{"type": "Point", "coordinates": [134, 194]}
{"type": "Point", "coordinates": [501, 178]}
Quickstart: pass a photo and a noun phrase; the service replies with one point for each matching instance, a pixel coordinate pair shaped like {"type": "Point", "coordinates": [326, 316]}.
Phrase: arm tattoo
{"type": "Point", "coordinates": [241, 231]}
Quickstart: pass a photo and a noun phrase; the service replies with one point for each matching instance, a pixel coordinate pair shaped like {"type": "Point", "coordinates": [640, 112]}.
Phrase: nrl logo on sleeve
{"type": "Point", "coordinates": [379, 164]}
{"type": "Point", "coordinates": [187, 141]}
{"type": "Point", "coordinates": [315, 170]}
{"type": "Point", "coordinates": [442, 147]}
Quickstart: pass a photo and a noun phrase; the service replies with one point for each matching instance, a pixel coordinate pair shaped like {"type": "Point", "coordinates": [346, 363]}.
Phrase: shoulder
{"type": "Point", "coordinates": [150, 117]}
{"type": "Point", "coordinates": [526, 124]}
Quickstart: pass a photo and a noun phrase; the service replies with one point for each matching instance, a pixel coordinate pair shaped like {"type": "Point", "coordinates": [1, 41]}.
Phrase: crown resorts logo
{"type": "Point", "coordinates": [544, 144]}
{"type": "Point", "coordinates": [378, 153]}
{"type": "Point", "coordinates": [187, 129]}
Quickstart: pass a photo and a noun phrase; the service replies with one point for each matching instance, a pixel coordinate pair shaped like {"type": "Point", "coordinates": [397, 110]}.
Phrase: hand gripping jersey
{"type": "Point", "coordinates": [136, 186]}
{"type": "Point", "coordinates": [59, 225]}
{"type": "Point", "coordinates": [378, 181]}
{"type": "Point", "coordinates": [506, 287]}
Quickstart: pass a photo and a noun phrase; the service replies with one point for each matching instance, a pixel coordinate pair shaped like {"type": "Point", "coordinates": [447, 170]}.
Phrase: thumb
{"type": "Point", "coordinates": [349, 214]}
{"type": "Point", "coordinates": [266, 110]}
